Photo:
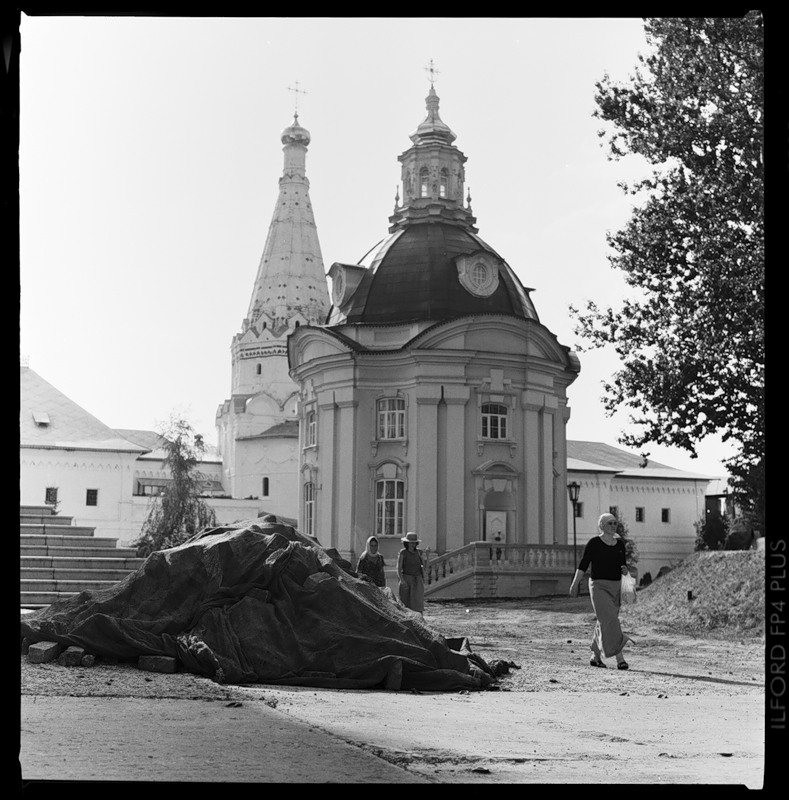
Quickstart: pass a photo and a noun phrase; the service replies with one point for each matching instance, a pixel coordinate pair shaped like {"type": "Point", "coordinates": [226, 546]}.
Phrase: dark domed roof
{"type": "Point", "coordinates": [414, 275]}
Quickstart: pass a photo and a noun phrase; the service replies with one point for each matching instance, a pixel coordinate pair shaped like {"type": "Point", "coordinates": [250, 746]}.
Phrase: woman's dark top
{"type": "Point", "coordinates": [373, 567]}
{"type": "Point", "coordinates": [411, 563]}
{"type": "Point", "coordinates": [606, 560]}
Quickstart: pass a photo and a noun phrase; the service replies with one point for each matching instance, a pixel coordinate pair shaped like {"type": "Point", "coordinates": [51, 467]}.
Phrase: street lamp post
{"type": "Point", "coordinates": [573, 489]}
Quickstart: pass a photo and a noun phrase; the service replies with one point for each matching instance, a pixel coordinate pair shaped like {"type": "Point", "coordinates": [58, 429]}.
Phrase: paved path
{"type": "Point", "coordinates": [292, 735]}
{"type": "Point", "coordinates": [121, 739]}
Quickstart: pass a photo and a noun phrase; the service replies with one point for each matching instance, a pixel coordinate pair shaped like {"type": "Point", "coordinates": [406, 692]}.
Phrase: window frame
{"type": "Point", "coordinates": [393, 418]}
{"type": "Point", "coordinates": [641, 514]}
{"type": "Point", "coordinates": [50, 492]}
{"type": "Point", "coordinates": [665, 515]}
{"type": "Point", "coordinates": [393, 517]}
{"type": "Point", "coordinates": [488, 416]}
{"type": "Point", "coordinates": [92, 494]}
{"type": "Point", "coordinates": [311, 434]}
{"type": "Point", "coordinates": [309, 508]}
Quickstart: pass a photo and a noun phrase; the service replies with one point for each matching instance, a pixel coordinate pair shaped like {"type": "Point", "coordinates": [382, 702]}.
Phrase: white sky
{"type": "Point", "coordinates": [150, 155]}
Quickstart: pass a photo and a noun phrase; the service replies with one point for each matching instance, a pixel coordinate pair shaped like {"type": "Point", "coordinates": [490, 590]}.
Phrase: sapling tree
{"type": "Point", "coordinates": [178, 512]}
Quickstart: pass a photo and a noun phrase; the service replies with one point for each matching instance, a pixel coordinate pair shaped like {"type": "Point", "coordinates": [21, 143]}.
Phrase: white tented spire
{"type": "Point", "coordinates": [291, 280]}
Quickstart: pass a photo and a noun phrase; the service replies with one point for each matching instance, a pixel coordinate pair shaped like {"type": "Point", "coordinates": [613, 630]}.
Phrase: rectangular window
{"type": "Point", "coordinates": [639, 513]}
{"type": "Point", "coordinates": [391, 418]}
{"type": "Point", "coordinates": [265, 487]}
{"type": "Point", "coordinates": [579, 510]}
{"type": "Point", "coordinates": [389, 507]}
{"type": "Point", "coordinates": [309, 509]}
{"type": "Point", "coordinates": [311, 429]}
{"type": "Point", "coordinates": [494, 421]}
{"type": "Point", "coordinates": [613, 510]}
{"type": "Point", "coordinates": [665, 515]}
{"type": "Point", "coordinates": [51, 495]}
{"type": "Point", "coordinates": [92, 497]}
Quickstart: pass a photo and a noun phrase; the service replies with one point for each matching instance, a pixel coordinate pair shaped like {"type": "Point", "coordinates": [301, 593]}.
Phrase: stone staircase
{"type": "Point", "coordinates": [59, 559]}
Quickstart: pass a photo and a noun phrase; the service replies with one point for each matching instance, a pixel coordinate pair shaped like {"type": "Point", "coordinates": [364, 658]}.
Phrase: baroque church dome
{"type": "Point", "coordinates": [433, 266]}
{"type": "Point", "coordinates": [436, 271]}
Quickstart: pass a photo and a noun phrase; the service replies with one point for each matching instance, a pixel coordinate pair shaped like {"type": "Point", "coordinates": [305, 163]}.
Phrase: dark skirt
{"type": "Point", "coordinates": [412, 592]}
{"type": "Point", "coordinates": [608, 636]}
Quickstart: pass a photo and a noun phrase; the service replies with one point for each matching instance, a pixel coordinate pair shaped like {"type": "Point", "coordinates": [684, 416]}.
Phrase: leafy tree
{"type": "Point", "coordinates": [691, 338]}
{"type": "Point", "coordinates": [178, 513]}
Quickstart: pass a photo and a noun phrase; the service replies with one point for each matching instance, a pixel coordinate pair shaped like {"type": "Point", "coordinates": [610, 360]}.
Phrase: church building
{"type": "Point", "coordinates": [257, 427]}
{"type": "Point", "coordinates": [433, 399]}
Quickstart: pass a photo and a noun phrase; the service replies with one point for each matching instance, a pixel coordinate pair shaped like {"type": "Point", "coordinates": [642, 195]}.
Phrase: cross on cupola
{"type": "Point", "coordinates": [432, 71]}
{"type": "Point", "coordinates": [296, 92]}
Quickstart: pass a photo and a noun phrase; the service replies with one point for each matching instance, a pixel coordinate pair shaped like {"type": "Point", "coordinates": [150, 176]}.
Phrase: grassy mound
{"type": "Point", "coordinates": [727, 589]}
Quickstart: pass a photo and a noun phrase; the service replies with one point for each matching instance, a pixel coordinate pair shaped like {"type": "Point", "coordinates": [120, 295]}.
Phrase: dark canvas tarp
{"type": "Point", "coordinates": [259, 604]}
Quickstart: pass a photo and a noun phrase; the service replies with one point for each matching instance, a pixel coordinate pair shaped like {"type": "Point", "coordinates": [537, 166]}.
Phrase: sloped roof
{"type": "Point", "coordinates": [155, 443]}
{"type": "Point", "coordinates": [596, 456]}
{"type": "Point", "coordinates": [150, 440]}
{"type": "Point", "coordinates": [62, 424]}
{"type": "Point", "coordinates": [283, 430]}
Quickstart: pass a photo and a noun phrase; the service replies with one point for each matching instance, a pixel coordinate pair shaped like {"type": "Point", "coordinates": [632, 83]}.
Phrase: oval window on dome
{"type": "Point", "coordinates": [479, 274]}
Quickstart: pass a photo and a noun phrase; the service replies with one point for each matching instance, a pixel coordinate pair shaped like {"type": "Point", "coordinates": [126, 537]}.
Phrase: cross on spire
{"type": "Point", "coordinates": [296, 91]}
{"type": "Point", "coordinates": [433, 72]}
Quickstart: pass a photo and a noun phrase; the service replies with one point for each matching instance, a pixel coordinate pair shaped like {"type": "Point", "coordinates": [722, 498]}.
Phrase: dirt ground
{"type": "Point", "coordinates": [688, 711]}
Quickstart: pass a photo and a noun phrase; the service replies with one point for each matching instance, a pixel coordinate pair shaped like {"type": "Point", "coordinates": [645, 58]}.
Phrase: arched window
{"type": "Point", "coordinates": [423, 185]}
{"type": "Point", "coordinates": [389, 507]}
{"type": "Point", "coordinates": [391, 418]}
{"type": "Point", "coordinates": [443, 183]}
{"type": "Point", "coordinates": [309, 509]}
{"type": "Point", "coordinates": [265, 487]}
{"type": "Point", "coordinates": [494, 421]}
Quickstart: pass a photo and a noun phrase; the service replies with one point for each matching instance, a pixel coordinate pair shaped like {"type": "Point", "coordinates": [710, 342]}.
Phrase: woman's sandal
{"type": "Point", "coordinates": [596, 662]}
{"type": "Point", "coordinates": [623, 665]}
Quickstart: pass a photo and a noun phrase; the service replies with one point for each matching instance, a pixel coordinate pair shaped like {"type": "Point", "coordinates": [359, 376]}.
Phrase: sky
{"type": "Point", "coordinates": [149, 161]}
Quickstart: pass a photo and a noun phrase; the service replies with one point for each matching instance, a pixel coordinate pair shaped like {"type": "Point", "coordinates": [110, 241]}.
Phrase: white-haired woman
{"type": "Point", "coordinates": [606, 556]}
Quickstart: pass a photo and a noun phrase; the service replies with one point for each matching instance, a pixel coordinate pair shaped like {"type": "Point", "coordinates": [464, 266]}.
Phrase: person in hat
{"type": "Point", "coordinates": [411, 572]}
{"type": "Point", "coordinates": [606, 555]}
{"type": "Point", "coordinates": [371, 563]}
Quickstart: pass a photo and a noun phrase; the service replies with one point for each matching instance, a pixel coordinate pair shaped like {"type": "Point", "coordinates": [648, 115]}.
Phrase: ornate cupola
{"type": "Point", "coordinates": [432, 176]}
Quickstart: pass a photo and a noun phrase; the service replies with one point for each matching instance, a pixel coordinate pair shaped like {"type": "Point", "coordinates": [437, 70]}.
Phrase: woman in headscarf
{"type": "Point", "coordinates": [411, 572]}
{"type": "Point", "coordinates": [371, 563]}
{"type": "Point", "coordinates": [606, 555]}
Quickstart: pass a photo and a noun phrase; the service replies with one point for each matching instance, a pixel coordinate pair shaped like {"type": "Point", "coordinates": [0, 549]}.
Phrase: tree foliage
{"type": "Point", "coordinates": [691, 338]}
{"type": "Point", "coordinates": [631, 548]}
{"type": "Point", "coordinates": [711, 532]}
{"type": "Point", "coordinates": [178, 513]}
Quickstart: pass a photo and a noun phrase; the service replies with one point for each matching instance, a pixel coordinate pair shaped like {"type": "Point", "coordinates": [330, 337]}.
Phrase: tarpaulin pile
{"type": "Point", "coordinates": [261, 604]}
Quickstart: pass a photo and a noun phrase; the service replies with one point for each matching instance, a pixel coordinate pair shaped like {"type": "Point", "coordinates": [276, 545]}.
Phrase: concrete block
{"type": "Point", "coordinates": [42, 652]}
{"type": "Point", "coordinates": [71, 656]}
{"type": "Point", "coordinates": [157, 663]}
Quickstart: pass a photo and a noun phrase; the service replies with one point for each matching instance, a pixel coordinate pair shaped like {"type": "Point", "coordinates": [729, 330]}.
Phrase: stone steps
{"type": "Point", "coordinates": [48, 529]}
{"type": "Point", "coordinates": [91, 564]}
{"type": "Point", "coordinates": [59, 559]}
